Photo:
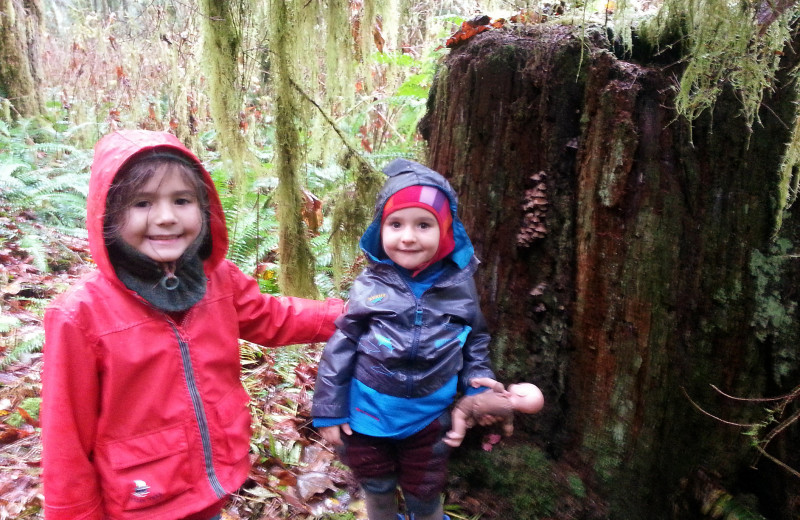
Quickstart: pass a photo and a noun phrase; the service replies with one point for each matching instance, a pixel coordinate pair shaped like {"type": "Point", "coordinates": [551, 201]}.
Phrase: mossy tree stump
{"type": "Point", "coordinates": [617, 242]}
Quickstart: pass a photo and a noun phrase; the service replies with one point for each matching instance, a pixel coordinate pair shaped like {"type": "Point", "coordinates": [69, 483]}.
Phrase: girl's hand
{"type": "Point", "coordinates": [333, 434]}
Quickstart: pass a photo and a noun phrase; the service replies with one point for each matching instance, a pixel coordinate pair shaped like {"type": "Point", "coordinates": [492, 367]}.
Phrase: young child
{"type": "Point", "coordinates": [499, 403]}
{"type": "Point", "coordinates": [144, 414]}
{"type": "Point", "coordinates": [411, 337]}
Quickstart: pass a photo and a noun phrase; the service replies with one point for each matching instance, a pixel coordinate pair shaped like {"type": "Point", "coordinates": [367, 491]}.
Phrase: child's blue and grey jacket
{"type": "Point", "coordinates": [405, 345]}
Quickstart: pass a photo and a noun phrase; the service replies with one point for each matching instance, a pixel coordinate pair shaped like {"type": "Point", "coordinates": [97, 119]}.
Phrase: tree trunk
{"type": "Point", "coordinates": [20, 23]}
{"type": "Point", "coordinates": [297, 262]}
{"type": "Point", "coordinates": [221, 52]}
{"type": "Point", "coordinates": [618, 260]}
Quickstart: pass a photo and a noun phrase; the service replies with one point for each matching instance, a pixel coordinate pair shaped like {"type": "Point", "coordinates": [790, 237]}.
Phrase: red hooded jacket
{"type": "Point", "coordinates": [145, 417]}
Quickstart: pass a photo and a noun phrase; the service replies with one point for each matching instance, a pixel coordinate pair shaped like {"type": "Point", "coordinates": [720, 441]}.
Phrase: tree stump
{"type": "Point", "coordinates": [618, 244]}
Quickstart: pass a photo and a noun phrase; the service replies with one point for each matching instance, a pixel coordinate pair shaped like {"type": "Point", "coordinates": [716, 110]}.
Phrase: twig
{"type": "Point", "coordinates": [332, 124]}
{"type": "Point", "coordinates": [756, 399]}
{"type": "Point", "coordinates": [701, 410]}
{"type": "Point", "coordinates": [762, 444]}
{"type": "Point", "coordinates": [778, 461]}
{"type": "Point", "coordinates": [782, 426]}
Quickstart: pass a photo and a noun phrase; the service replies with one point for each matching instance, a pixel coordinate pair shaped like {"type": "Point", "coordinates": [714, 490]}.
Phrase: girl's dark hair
{"type": "Point", "coordinates": [130, 179]}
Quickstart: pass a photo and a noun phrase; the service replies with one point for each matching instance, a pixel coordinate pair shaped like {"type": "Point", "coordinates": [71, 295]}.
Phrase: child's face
{"type": "Point", "coordinates": [410, 237]}
{"type": "Point", "coordinates": [165, 217]}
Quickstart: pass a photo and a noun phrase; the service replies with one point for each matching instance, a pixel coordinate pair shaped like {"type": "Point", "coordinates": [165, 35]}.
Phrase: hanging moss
{"type": "Point", "coordinates": [222, 46]}
{"type": "Point", "coordinates": [339, 58]}
{"type": "Point", "coordinates": [789, 183]}
{"type": "Point", "coordinates": [297, 262]}
{"type": "Point", "coordinates": [726, 46]}
{"type": "Point", "coordinates": [352, 213]}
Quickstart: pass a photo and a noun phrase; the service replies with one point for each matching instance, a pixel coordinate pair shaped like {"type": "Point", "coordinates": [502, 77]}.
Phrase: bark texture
{"type": "Point", "coordinates": [222, 43]}
{"type": "Point", "coordinates": [20, 24]}
{"type": "Point", "coordinates": [617, 246]}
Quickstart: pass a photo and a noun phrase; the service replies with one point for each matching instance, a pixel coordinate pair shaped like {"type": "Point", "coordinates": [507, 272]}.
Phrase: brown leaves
{"type": "Point", "coordinates": [20, 459]}
{"type": "Point", "coordinates": [296, 474]}
{"type": "Point", "coordinates": [312, 211]}
{"type": "Point", "coordinates": [20, 496]}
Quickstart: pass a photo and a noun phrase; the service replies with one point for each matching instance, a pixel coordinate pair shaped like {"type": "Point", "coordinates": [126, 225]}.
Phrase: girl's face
{"type": "Point", "coordinates": [164, 218]}
{"type": "Point", "coordinates": [410, 237]}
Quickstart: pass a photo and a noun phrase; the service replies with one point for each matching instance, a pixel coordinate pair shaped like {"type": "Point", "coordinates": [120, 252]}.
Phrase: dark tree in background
{"type": "Point", "coordinates": [20, 22]}
{"type": "Point", "coordinates": [629, 262]}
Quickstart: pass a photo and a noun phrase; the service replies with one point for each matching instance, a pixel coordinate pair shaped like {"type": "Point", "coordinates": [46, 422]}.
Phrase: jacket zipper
{"type": "Point", "coordinates": [415, 340]}
{"type": "Point", "coordinates": [200, 415]}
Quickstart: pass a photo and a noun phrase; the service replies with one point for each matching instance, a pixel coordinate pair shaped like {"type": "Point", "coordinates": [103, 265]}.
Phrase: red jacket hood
{"type": "Point", "coordinates": [111, 154]}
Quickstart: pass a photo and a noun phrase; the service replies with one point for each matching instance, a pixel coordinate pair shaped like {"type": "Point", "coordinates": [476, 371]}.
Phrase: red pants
{"type": "Point", "coordinates": [418, 463]}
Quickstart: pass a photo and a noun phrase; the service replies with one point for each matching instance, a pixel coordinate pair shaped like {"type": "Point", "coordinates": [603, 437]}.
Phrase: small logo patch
{"type": "Point", "coordinates": [376, 298]}
{"type": "Point", "coordinates": [141, 488]}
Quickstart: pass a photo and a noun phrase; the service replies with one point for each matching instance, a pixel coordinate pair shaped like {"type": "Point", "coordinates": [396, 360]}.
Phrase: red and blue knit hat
{"type": "Point", "coordinates": [431, 199]}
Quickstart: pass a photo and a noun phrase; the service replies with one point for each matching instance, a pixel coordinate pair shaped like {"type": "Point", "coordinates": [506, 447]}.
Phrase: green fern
{"type": "Point", "coordinates": [35, 247]}
{"type": "Point", "coordinates": [252, 224]}
{"type": "Point", "coordinates": [17, 345]}
{"type": "Point", "coordinates": [45, 182]}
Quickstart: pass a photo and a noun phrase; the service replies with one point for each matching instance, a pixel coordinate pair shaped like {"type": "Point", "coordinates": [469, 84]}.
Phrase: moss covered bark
{"type": "Point", "coordinates": [222, 40]}
{"type": "Point", "coordinates": [617, 243]}
{"type": "Point", "coordinates": [20, 23]}
{"type": "Point", "coordinates": [297, 262]}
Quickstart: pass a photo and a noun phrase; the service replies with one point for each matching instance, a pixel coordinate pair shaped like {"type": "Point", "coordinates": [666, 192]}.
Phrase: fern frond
{"type": "Point", "coordinates": [30, 344]}
{"type": "Point", "coordinates": [33, 245]}
{"type": "Point", "coordinates": [8, 323]}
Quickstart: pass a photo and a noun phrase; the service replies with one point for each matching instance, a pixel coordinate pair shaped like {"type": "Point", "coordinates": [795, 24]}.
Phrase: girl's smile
{"type": "Point", "coordinates": [164, 218]}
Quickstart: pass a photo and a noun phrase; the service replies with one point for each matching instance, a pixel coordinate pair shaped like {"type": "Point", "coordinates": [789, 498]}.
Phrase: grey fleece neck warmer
{"type": "Point", "coordinates": [173, 290]}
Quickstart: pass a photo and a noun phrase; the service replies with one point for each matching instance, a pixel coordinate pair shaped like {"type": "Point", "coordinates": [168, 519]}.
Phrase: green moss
{"type": "Point", "coordinates": [31, 406]}
{"type": "Point", "coordinates": [503, 59]}
{"type": "Point", "coordinates": [521, 476]}
{"type": "Point", "coordinates": [576, 486]}
{"type": "Point", "coordinates": [607, 456]}
{"type": "Point", "coordinates": [726, 45]}
{"type": "Point", "coordinates": [772, 314]}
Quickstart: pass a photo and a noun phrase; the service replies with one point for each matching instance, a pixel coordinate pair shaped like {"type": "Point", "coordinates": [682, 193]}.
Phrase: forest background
{"type": "Point", "coordinates": [293, 106]}
{"type": "Point", "coordinates": [352, 85]}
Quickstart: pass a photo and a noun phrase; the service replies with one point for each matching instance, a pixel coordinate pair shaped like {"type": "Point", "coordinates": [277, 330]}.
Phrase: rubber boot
{"type": "Point", "coordinates": [381, 506]}
{"type": "Point", "coordinates": [437, 514]}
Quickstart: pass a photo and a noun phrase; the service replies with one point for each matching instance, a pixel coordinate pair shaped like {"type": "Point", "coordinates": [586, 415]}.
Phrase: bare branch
{"type": "Point", "coordinates": [755, 399]}
{"type": "Point", "coordinates": [701, 410]}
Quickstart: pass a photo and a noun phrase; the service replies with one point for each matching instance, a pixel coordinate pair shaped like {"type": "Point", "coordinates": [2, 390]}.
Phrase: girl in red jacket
{"type": "Point", "coordinates": [144, 414]}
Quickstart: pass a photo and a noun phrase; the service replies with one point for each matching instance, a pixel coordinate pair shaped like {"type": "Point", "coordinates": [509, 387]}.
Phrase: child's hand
{"type": "Point", "coordinates": [478, 382]}
{"type": "Point", "coordinates": [333, 434]}
{"type": "Point", "coordinates": [453, 439]}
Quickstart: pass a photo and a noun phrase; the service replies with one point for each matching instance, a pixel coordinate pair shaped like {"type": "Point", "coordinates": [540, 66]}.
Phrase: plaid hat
{"type": "Point", "coordinates": [431, 199]}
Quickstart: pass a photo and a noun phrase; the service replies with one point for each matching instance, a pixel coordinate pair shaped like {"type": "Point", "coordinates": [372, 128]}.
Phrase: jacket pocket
{"type": "Point", "coordinates": [150, 469]}
{"type": "Point", "coordinates": [233, 416]}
